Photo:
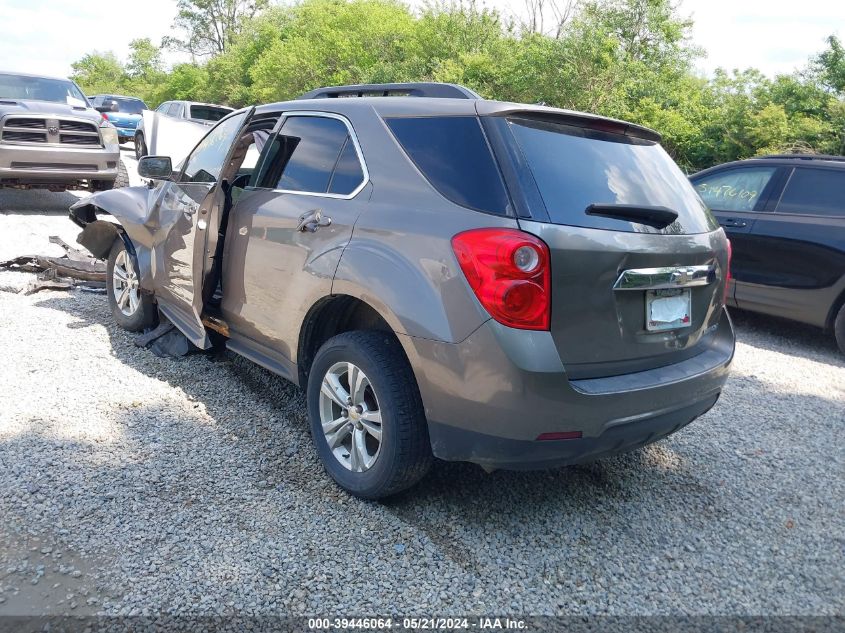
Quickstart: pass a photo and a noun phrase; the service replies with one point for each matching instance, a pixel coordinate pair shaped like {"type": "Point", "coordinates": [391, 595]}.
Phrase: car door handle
{"type": "Point", "coordinates": [735, 224]}
{"type": "Point", "coordinates": [313, 220]}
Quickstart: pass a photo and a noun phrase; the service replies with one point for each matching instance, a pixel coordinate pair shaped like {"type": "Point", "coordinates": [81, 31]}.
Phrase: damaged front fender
{"type": "Point", "coordinates": [133, 208]}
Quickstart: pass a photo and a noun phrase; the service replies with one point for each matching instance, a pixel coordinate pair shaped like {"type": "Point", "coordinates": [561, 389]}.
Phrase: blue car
{"type": "Point", "coordinates": [123, 112]}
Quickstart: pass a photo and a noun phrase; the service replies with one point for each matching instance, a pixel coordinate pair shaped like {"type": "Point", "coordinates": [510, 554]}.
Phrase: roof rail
{"type": "Point", "coordinates": [416, 89]}
{"type": "Point", "coordinates": [805, 156]}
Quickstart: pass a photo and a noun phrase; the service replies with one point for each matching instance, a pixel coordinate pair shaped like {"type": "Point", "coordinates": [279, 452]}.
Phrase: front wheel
{"type": "Point", "coordinates": [122, 180]}
{"type": "Point", "coordinates": [131, 309]}
{"type": "Point", "coordinates": [140, 146]}
{"type": "Point", "coordinates": [367, 416]}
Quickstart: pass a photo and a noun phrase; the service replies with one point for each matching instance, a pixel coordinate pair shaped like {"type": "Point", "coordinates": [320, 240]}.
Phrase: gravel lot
{"type": "Point", "coordinates": [135, 484]}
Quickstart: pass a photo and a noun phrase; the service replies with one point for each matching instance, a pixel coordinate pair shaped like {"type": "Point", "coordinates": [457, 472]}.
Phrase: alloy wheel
{"type": "Point", "coordinates": [125, 284]}
{"type": "Point", "coordinates": [350, 416]}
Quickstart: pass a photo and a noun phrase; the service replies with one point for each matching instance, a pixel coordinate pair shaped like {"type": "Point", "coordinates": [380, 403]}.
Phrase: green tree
{"type": "Point", "coordinates": [830, 65]}
{"type": "Point", "coordinates": [99, 72]}
{"type": "Point", "coordinates": [631, 59]}
{"type": "Point", "coordinates": [145, 61]}
{"type": "Point", "coordinates": [208, 27]}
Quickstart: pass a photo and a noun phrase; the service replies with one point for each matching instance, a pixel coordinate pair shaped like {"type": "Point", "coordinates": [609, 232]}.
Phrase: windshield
{"type": "Point", "coordinates": [208, 113]}
{"type": "Point", "coordinates": [40, 89]}
{"type": "Point", "coordinates": [130, 106]}
{"type": "Point", "coordinates": [576, 167]}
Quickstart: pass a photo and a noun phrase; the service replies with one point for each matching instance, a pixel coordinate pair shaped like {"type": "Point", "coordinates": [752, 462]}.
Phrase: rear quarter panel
{"type": "Point", "coordinates": [400, 259]}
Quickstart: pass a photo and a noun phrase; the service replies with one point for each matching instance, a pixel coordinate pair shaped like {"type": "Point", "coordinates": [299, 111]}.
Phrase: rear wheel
{"type": "Point", "coordinates": [366, 415]}
{"type": "Point", "coordinates": [131, 309]}
{"type": "Point", "coordinates": [140, 146]}
{"type": "Point", "coordinates": [839, 329]}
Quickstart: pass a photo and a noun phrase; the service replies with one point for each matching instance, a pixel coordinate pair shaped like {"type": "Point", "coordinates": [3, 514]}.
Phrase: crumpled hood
{"type": "Point", "coordinates": [14, 106]}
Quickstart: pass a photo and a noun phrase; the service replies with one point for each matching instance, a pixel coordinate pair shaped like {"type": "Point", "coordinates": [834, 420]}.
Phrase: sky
{"type": "Point", "coordinates": [775, 36]}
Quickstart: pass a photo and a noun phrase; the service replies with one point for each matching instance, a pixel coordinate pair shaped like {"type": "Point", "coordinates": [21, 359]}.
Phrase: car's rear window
{"type": "Point", "coordinates": [453, 155]}
{"type": "Point", "coordinates": [208, 113]}
{"type": "Point", "coordinates": [130, 106]}
{"type": "Point", "coordinates": [576, 167]}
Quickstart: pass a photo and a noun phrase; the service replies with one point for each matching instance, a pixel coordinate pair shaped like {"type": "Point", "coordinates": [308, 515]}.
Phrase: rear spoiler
{"type": "Point", "coordinates": [567, 117]}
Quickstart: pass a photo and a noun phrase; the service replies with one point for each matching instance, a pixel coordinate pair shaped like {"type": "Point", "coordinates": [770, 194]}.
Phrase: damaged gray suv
{"type": "Point", "coordinates": [511, 285]}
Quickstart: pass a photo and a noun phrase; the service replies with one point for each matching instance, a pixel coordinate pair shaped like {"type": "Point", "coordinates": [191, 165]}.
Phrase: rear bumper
{"type": "Point", "coordinates": [457, 444]}
{"type": "Point", "coordinates": [490, 397]}
{"type": "Point", "coordinates": [26, 164]}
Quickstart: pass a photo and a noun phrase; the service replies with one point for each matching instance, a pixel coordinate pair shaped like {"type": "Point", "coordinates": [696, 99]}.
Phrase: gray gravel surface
{"type": "Point", "coordinates": [131, 484]}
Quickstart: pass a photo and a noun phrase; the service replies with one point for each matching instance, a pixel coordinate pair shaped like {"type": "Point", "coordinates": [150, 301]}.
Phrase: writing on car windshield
{"type": "Point", "coordinates": [726, 191]}
{"type": "Point", "coordinates": [734, 189]}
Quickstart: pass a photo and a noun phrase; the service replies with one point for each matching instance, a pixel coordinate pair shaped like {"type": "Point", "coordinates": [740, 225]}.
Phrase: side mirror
{"type": "Point", "coordinates": [103, 108]}
{"type": "Point", "coordinates": [155, 167]}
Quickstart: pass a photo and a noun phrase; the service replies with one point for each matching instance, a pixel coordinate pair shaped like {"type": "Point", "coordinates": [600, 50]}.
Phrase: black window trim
{"type": "Point", "coordinates": [350, 134]}
{"type": "Point", "coordinates": [520, 186]}
{"type": "Point", "coordinates": [792, 170]}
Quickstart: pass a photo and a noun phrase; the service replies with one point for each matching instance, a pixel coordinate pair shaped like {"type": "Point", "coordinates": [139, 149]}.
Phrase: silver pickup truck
{"type": "Point", "coordinates": [51, 137]}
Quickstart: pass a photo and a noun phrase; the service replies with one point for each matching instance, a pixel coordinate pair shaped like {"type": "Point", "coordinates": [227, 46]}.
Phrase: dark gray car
{"type": "Point", "coordinates": [511, 285]}
{"type": "Point", "coordinates": [785, 217]}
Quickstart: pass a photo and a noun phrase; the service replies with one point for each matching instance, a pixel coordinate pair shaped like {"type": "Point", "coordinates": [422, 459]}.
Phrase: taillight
{"type": "Point", "coordinates": [728, 274]}
{"type": "Point", "coordinates": [104, 115]}
{"type": "Point", "coordinates": [509, 272]}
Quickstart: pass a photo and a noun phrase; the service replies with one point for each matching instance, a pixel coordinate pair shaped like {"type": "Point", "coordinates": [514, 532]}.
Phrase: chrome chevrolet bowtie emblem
{"type": "Point", "coordinates": [682, 276]}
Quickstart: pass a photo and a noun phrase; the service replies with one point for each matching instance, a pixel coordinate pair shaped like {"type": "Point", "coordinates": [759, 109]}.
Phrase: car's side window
{"type": "Point", "coordinates": [313, 154]}
{"type": "Point", "coordinates": [206, 161]}
{"type": "Point", "coordinates": [453, 155]}
{"type": "Point", "coordinates": [163, 108]}
{"type": "Point", "coordinates": [814, 192]}
{"type": "Point", "coordinates": [175, 109]}
{"type": "Point", "coordinates": [735, 189]}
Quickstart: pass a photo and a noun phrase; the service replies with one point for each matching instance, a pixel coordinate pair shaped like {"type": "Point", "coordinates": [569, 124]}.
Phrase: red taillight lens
{"type": "Point", "coordinates": [728, 273]}
{"type": "Point", "coordinates": [509, 271]}
{"type": "Point", "coordinates": [104, 115]}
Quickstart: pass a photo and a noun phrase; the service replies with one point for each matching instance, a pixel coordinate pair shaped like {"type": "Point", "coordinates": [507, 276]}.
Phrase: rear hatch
{"type": "Point", "coordinates": [638, 262]}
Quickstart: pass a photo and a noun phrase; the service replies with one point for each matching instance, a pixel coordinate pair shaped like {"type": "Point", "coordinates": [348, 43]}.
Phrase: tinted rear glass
{"type": "Point", "coordinates": [814, 192]}
{"type": "Point", "coordinates": [130, 106]}
{"type": "Point", "coordinates": [453, 155]}
{"type": "Point", "coordinates": [208, 113]}
{"type": "Point", "coordinates": [575, 167]}
{"type": "Point", "coordinates": [347, 172]}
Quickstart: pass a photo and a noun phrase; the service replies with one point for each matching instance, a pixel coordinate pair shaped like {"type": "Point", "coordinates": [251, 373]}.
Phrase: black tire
{"type": "Point", "coordinates": [144, 315]}
{"type": "Point", "coordinates": [404, 456]}
{"type": "Point", "coordinates": [839, 329]}
{"type": "Point", "coordinates": [122, 180]}
{"type": "Point", "coordinates": [140, 146]}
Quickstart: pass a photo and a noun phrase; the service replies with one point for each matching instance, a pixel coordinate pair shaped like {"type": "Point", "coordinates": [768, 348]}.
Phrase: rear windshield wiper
{"type": "Point", "coordinates": [658, 217]}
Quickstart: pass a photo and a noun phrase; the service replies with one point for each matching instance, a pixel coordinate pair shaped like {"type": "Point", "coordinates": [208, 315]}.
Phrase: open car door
{"type": "Point", "coordinates": [188, 214]}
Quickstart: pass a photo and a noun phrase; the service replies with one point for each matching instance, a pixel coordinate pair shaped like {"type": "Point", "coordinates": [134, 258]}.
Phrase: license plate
{"type": "Point", "coordinates": [668, 309]}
